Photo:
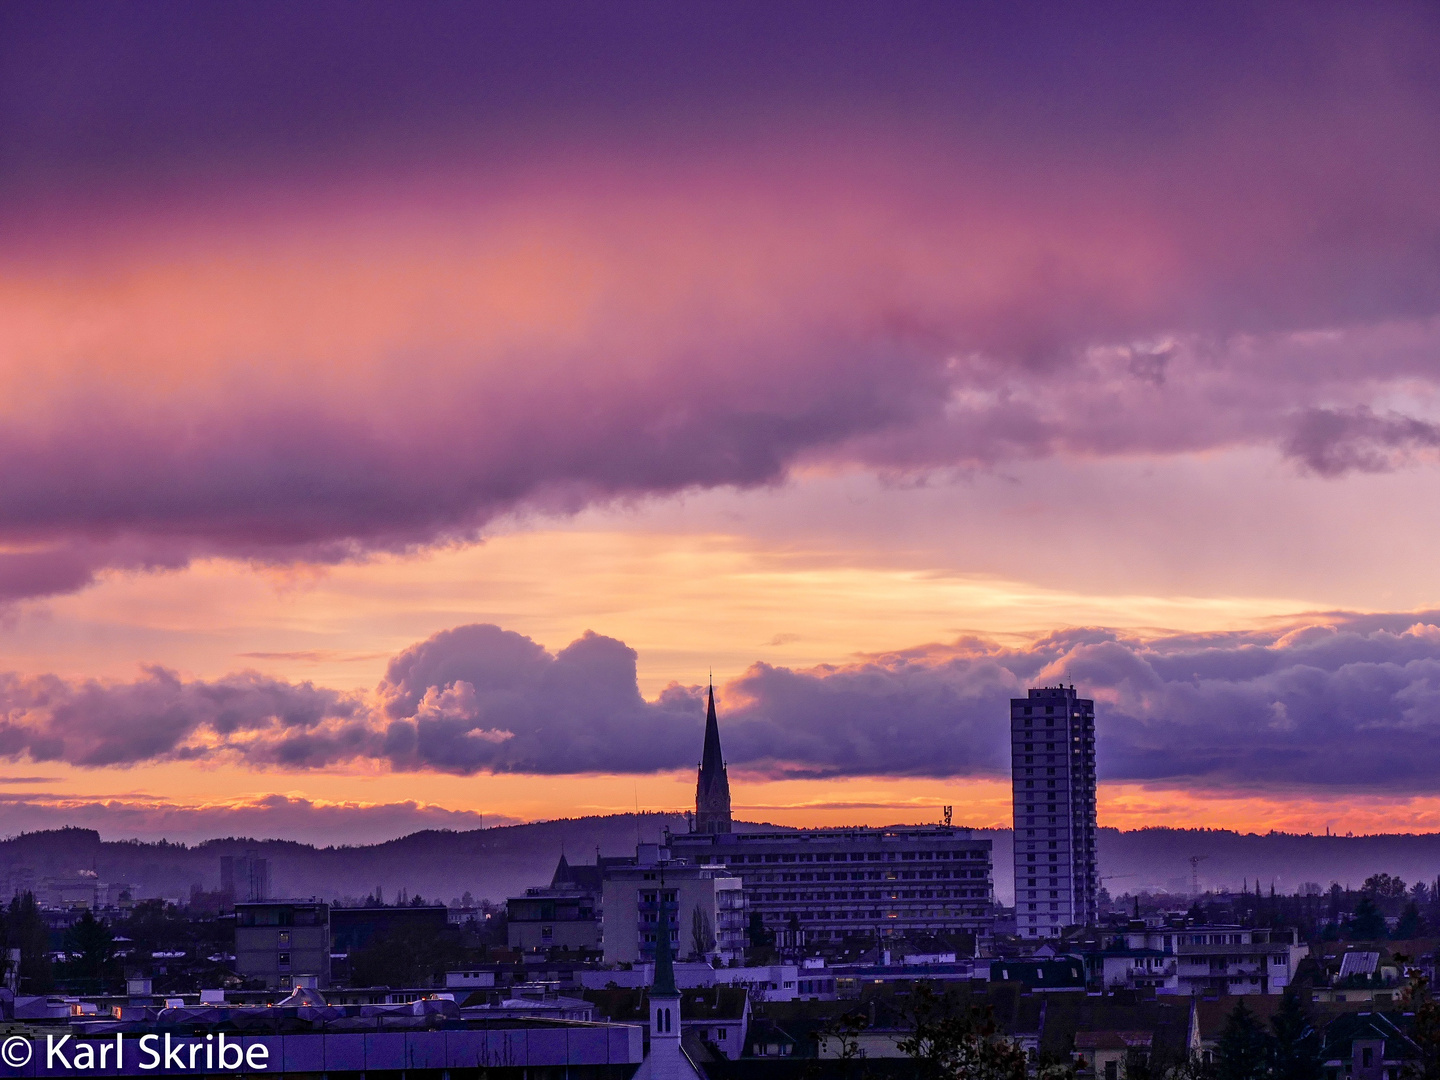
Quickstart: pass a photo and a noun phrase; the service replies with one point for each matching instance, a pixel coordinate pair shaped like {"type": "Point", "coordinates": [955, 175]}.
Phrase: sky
{"type": "Point", "coordinates": [407, 409]}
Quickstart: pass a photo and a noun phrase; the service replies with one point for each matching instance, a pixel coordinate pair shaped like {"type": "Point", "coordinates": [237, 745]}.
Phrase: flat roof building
{"type": "Point", "coordinates": [1052, 755]}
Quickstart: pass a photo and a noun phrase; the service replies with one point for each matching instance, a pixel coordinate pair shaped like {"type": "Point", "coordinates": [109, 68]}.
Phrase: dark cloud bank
{"type": "Point", "coordinates": [1343, 703]}
{"type": "Point", "coordinates": [1220, 226]}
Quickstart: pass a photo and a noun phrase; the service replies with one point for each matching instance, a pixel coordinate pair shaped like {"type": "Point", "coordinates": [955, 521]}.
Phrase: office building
{"type": "Point", "coordinates": [836, 883]}
{"type": "Point", "coordinates": [1052, 754]}
{"type": "Point", "coordinates": [830, 884]}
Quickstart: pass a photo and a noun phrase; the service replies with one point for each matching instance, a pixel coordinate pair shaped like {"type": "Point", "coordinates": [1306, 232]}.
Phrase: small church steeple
{"type": "Point", "coordinates": [712, 787]}
{"type": "Point", "coordinates": [666, 1060]}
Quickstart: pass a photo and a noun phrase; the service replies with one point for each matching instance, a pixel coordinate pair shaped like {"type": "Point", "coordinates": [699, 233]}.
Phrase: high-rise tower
{"type": "Point", "coordinates": [1052, 757]}
{"type": "Point", "coordinates": [712, 788]}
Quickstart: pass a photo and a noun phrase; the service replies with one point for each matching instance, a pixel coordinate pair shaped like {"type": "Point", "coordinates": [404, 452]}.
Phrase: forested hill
{"type": "Point", "coordinates": [436, 864]}
{"type": "Point", "coordinates": [504, 860]}
{"type": "Point", "coordinates": [1161, 858]}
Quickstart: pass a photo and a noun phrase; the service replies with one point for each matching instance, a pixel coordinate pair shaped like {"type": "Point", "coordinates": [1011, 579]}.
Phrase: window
{"type": "Point", "coordinates": [1367, 1057]}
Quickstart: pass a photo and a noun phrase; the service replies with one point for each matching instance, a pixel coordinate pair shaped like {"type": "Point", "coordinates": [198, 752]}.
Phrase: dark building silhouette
{"type": "Point", "coordinates": [244, 878]}
{"type": "Point", "coordinates": [712, 789]}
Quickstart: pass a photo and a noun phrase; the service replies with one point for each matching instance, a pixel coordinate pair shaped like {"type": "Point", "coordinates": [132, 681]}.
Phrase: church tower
{"type": "Point", "coordinates": [667, 1059]}
{"type": "Point", "coordinates": [712, 789]}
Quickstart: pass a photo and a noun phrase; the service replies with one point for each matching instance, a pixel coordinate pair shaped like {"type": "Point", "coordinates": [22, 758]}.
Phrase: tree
{"type": "Point", "coordinates": [1411, 925]}
{"type": "Point", "coordinates": [1425, 1030]}
{"type": "Point", "coordinates": [701, 939]}
{"type": "Point", "coordinates": [1383, 886]}
{"type": "Point", "coordinates": [1367, 924]}
{"type": "Point", "coordinates": [25, 930]}
{"type": "Point", "coordinates": [1296, 1043]}
{"type": "Point", "coordinates": [950, 1043]}
{"type": "Point", "coordinates": [91, 947]}
{"type": "Point", "coordinates": [1243, 1050]}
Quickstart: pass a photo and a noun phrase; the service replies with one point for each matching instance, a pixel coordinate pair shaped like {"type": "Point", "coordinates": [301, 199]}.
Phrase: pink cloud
{"type": "Point", "coordinates": [322, 360]}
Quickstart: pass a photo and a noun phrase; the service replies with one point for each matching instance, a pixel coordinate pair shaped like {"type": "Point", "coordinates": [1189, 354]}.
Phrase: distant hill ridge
{"type": "Point", "coordinates": [504, 860]}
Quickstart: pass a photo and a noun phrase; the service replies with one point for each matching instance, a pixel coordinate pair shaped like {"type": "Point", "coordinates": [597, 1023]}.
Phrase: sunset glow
{"type": "Point", "coordinates": [408, 447]}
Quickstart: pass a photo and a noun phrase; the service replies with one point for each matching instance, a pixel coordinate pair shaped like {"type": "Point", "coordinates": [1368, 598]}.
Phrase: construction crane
{"type": "Point", "coordinates": [1195, 861]}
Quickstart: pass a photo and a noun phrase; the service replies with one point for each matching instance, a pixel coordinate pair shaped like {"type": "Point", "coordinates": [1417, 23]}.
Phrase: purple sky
{"type": "Point", "coordinates": [344, 289]}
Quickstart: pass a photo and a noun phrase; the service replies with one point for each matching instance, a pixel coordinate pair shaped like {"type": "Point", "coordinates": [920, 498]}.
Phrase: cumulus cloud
{"type": "Point", "coordinates": [1177, 244]}
{"type": "Point", "coordinates": [1345, 702]}
{"type": "Point", "coordinates": [163, 717]}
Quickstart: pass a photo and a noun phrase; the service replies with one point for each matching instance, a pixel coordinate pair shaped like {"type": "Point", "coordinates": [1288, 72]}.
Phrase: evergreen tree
{"type": "Point", "coordinates": [91, 947]}
{"type": "Point", "coordinates": [1367, 924]}
{"type": "Point", "coordinates": [26, 930]}
{"type": "Point", "coordinates": [1410, 925]}
{"type": "Point", "coordinates": [1296, 1050]}
{"type": "Point", "coordinates": [1244, 1050]}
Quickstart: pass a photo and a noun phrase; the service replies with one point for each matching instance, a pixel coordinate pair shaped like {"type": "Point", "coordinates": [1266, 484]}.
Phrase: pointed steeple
{"type": "Point", "coordinates": [712, 787]}
{"type": "Point", "coordinates": [664, 985]}
{"type": "Point", "coordinates": [562, 875]}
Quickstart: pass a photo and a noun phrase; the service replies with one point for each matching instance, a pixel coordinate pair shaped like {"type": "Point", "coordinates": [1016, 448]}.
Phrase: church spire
{"type": "Point", "coordinates": [664, 984]}
{"type": "Point", "coordinates": [712, 787]}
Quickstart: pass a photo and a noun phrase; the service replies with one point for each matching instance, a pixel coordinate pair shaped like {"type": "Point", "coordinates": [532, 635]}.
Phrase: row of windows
{"type": "Point", "coordinates": [857, 856]}
{"type": "Point", "coordinates": [924, 894]}
{"type": "Point", "coordinates": [873, 875]}
{"type": "Point", "coordinates": [867, 916]}
{"type": "Point", "coordinates": [1081, 710]}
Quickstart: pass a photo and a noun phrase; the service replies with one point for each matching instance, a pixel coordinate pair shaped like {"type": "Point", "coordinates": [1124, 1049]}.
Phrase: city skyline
{"type": "Point", "coordinates": [403, 413]}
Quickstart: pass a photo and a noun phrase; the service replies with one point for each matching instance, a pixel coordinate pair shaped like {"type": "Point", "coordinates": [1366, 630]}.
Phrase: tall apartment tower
{"type": "Point", "coordinates": [1052, 756]}
{"type": "Point", "coordinates": [712, 786]}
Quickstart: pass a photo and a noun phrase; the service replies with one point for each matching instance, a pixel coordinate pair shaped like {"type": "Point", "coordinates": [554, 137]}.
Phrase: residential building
{"type": "Point", "coordinates": [1370, 1046]}
{"type": "Point", "coordinates": [1052, 753]}
{"type": "Point", "coordinates": [1134, 969]}
{"type": "Point", "coordinates": [284, 943]}
{"type": "Point", "coordinates": [1041, 974]}
{"type": "Point", "coordinates": [564, 915]}
{"type": "Point", "coordinates": [1210, 960]}
{"type": "Point", "coordinates": [552, 919]}
{"type": "Point", "coordinates": [706, 905]}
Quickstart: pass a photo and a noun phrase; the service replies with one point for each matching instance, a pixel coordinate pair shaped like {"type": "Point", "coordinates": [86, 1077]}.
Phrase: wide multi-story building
{"type": "Point", "coordinates": [1209, 960]}
{"type": "Point", "coordinates": [835, 883]}
{"type": "Point", "coordinates": [1052, 753]}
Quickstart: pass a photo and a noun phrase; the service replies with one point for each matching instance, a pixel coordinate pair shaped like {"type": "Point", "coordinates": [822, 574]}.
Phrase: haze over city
{"type": "Point", "coordinates": [404, 409]}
